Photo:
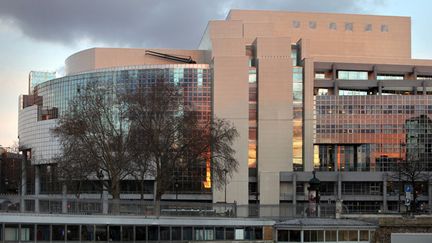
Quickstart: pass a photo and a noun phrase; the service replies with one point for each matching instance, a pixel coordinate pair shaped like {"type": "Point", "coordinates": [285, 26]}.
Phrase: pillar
{"type": "Point", "coordinates": [430, 195]}
{"type": "Point", "coordinates": [37, 188]}
{"type": "Point", "coordinates": [294, 196]}
{"type": "Point", "coordinates": [339, 192]}
{"type": "Point", "coordinates": [64, 198]}
{"type": "Point", "coordinates": [23, 189]}
{"type": "Point", "coordinates": [385, 207]}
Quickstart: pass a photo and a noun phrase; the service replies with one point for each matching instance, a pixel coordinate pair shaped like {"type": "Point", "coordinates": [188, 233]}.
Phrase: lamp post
{"type": "Point", "coordinates": [314, 196]}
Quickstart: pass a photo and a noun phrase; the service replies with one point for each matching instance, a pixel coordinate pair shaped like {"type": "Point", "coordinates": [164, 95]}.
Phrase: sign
{"type": "Point", "coordinates": [408, 188]}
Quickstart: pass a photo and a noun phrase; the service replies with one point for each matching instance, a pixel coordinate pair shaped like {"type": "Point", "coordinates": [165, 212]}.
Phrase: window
{"type": "Point", "coordinates": [140, 233]}
{"type": "Point", "coordinates": [333, 26]}
{"type": "Point", "coordinates": [127, 233]}
{"type": "Point", "coordinates": [384, 28]}
{"type": "Point", "coordinates": [349, 27]}
{"type": "Point", "coordinates": [353, 75]}
{"type": "Point", "coordinates": [176, 233]}
{"type": "Point", "coordinates": [319, 75]}
{"type": "Point", "coordinates": [364, 235]}
{"type": "Point", "coordinates": [312, 24]}
{"type": "Point", "coordinates": [296, 24]}
{"type": "Point", "coordinates": [330, 235]}
{"type": "Point", "coordinates": [73, 233]}
{"type": "Point", "coordinates": [368, 28]}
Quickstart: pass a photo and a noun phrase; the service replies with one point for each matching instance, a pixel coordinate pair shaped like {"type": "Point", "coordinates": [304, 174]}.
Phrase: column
{"type": "Point", "coordinates": [64, 198]}
{"type": "Point", "coordinates": [23, 189]}
{"type": "Point", "coordinates": [339, 195]}
{"type": "Point", "coordinates": [294, 195]}
{"type": "Point", "coordinates": [430, 195]}
{"type": "Point", "coordinates": [385, 207]}
{"type": "Point", "coordinates": [37, 188]}
{"type": "Point", "coordinates": [335, 154]}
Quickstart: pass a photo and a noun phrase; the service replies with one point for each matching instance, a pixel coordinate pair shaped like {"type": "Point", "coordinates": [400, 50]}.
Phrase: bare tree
{"type": "Point", "coordinates": [94, 134]}
{"type": "Point", "coordinates": [413, 173]}
{"type": "Point", "coordinates": [170, 135]}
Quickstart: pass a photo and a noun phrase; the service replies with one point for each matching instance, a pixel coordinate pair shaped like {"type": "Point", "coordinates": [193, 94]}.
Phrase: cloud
{"type": "Point", "coordinates": [143, 23]}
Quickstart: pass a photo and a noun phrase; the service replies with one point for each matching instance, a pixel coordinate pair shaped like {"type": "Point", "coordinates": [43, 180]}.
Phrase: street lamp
{"type": "Point", "coordinates": [314, 195]}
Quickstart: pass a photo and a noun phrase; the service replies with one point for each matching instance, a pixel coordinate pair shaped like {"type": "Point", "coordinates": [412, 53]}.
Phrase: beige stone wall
{"type": "Point", "coordinates": [275, 114]}
{"type": "Point", "coordinates": [100, 58]}
{"type": "Point", "coordinates": [325, 41]}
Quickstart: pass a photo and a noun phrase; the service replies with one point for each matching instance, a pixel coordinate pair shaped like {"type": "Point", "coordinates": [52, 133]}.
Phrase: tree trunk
{"type": "Point", "coordinates": [115, 192]}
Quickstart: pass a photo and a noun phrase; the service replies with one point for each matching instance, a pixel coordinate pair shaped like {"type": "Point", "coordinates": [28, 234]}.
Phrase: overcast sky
{"type": "Point", "coordinates": [40, 35]}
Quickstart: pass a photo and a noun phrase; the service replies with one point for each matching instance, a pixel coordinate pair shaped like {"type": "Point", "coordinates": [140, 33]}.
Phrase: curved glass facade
{"type": "Point", "coordinates": [51, 100]}
{"type": "Point", "coordinates": [52, 96]}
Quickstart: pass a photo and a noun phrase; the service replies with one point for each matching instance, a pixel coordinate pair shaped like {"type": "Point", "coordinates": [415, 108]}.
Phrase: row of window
{"type": "Point", "coordinates": [348, 26]}
{"type": "Point", "coordinates": [324, 235]}
{"type": "Point", "coordinates": [125, 233]}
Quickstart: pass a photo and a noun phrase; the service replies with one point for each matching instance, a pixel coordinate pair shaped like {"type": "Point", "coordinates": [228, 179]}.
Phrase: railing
{"type": "Point", "coordinates": [58, 205]}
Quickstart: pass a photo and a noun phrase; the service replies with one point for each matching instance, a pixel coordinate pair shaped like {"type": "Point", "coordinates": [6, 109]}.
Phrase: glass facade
{"type": "Point", "coordinates": [372, 133]}
{"type": "Point", "coordinates": [297, 109]}
{"type": "Point", "coordinates": [52, 97]}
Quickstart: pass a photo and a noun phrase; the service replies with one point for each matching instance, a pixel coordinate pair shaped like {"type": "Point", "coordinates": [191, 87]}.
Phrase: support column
{"type": "Point", "coordinates": [385, 207]}
{"type": "Point", "coordinates": [294, 195]}
{"type": "Point", "coordinates": [336, 87]}
{"type": "Point", "coordinates": [64, 198]}
{"type": "Point", "coordinates": [424, 87]}
{"type": "Point", "coordinates": [430, 195]}
{"type": "Point", "coordinates": [105, 201]}
{"type": "Point", "coordinates": [339, 195]}
{"type": "Point", "coordinates": [37, 188]}
{"type": "Point", "coordinates": [23, 189]}
{"type": "Point", "coordinates": [335, 154]}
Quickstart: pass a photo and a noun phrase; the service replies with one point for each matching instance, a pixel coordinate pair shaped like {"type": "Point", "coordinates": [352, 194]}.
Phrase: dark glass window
{"type": "Point", "coordinates": [175, 233]}
{"type": "Point", "coordinates": [114, 233]}
{"type": "Point", "coordinates": [140, 233]}
{"type": "Point", "coordinates": [153, 233]}
{"type": "Point", "coordinates": [87, 232]}
{"type": "Point", "coordinates": [101, 233]}
{"type": "Point", "coordinates": [127, 233]}
{"type": "Point", "coordinates": [187, 233]}
{"type": "Point", "coordinates": [72, 233]}
{"type": "Point", "coordinates": [164, 233]}
{"type": "Point", "coordinates": [282, 235]}
{"type": "Point", "coordinates": [295, 235]}
{"type": "Point", "coordinates": [229, 233]}
{"type": "Point", "coordinates": [43, 233]}
{"type": "Point", "coordinates": [220, 233]}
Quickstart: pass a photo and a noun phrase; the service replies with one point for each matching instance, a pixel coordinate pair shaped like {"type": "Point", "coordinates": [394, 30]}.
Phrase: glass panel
{"type": "Point", "coordinates": [27, 232]}
{"type": "Point", "coordinates": [101, 232]}
{"type": "Point", "coordinates": [176, 233]}
{"type": "Point", "coordinates": [73, 232]}
{"type": "Point", "coordinates": [258, 233]}
{"type": "Point", "coordinates": [330, 235]}
{"type": "Point", "coordinates": [209, 234]}
{"type": "Point", "coordinates": [294, 235]}
{"type": "Point", "coordinates": [153, 233]}
{"type": "Point", "coordinates": [140, 233]}
{"type": "Point", "coordinates": [43, 233]}
{"type": "Point", "coordinates": [282, 235]}
{"type": "Point", "coordinates": [229, 233]}
{"type": "Point", "coordinates": [164, 233]}
{"type": "Point", "coordinates": [114, 233]}
{"type": "Point", "coordinates": [364, 235]}
{"type": "Point", "coordinates": [127, 233]}
{"type": "Point", "coordinates": [87, 232]}
{"type": "Point", "coordinates": [220, 233]}
{"type": "Point", "coordinates": [199, 233]}
{"type": "Point", "coordinates": [11, 232]}
{"type": "Point", "coordinates": [187, 233]}
{"type": "Point", "coordinates": [239, 234]}
{"type": "Point", "coordinates": [353, 235]}
{"type": "Point", "coordinates": [343, 235]}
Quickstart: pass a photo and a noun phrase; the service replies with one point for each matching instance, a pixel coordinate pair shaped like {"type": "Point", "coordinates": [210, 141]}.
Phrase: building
{"type": "Point", "coordinates": [332, 93]}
